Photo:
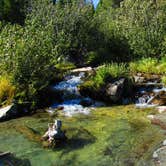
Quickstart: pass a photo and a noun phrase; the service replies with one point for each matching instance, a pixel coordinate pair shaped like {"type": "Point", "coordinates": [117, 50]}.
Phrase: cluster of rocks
{"type": "Point", "coordinates": [149, 89]}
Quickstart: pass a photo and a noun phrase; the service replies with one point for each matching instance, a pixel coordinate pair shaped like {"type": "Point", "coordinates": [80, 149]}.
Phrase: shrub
{"type": "Point", "coordinates": [161, 68]}
{"type": "Point", "coordinates": [13, 10]}
{"type": "Point", "coordinates": [7, 91]}
{"type": "Point", "coordinates": [136, 28]}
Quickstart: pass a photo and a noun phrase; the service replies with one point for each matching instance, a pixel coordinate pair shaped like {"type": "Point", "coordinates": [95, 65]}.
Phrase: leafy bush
{"type": "Point", "coordinates": [28, 54]}
{"type": "Point", "coordinates": [137, 28]}
{"type": "Point", "coordinates": [51, 34]}
{"type": "Point", "coordinates": [13, 10]}
{"type": "Point", "coordinates": [7, 91]}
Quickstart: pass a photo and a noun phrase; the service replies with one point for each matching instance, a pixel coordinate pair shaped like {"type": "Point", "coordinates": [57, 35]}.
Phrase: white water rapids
{"type": "Point", "coordinates": [145, 100]}
{"type": "Point", "coordinates": [72, 99]}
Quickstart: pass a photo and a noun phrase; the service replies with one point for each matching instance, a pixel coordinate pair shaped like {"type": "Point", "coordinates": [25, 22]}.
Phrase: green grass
{"type": "Point", "coordinates": [149, 65]}
{"type": "Point", "coordinates": [65, 66]}
{"type": "Point", "coordinates": [113, 70]}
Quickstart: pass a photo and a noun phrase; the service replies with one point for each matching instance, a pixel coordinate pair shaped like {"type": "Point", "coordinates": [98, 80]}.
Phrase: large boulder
{"type": "Point", "coordinates": [118, 89]}
{"type": "Point", "coordinates": [8, 112]}
{"type": "Point", "coordinates": [115, 90]}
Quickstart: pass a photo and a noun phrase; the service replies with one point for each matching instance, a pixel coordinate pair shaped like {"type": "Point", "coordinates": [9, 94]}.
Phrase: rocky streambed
{"type": "Point", "coordinates": [98, 133]}
{"type": "Point", "coordinates": [118, 135]}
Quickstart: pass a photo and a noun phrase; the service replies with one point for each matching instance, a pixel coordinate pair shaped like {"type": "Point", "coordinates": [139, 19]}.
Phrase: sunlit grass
{"type": "Point", "coordinates": [7, 90]}
{"type": "Point", "coordinates": [113, 70]}
{"type": "Point", "coordinates": [149, 65]}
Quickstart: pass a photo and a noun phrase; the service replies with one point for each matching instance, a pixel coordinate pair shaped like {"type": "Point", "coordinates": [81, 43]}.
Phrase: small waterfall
{"type": "Point", "coordinates": [147, 95]}
{"type": "Point", "coordinates": [72, 100]}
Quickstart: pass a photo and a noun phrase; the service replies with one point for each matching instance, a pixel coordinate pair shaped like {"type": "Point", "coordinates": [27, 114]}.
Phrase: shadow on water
{"type": "Point", "coordinates": [76, 139]}
{"type": "Point", "coordinates": [11, 160]}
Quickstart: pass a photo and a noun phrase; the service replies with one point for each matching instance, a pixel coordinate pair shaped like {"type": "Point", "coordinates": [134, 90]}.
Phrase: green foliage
{"type": "Point", "coordinates": [13, 10]}
{"type": "Point", "coordinates": [28, 54]}
{"type": "Point", "coordinates": [7, 91]}
{"type": "Point", "coordinates": [163, 80]}
{"type": "Point", "coordinates": [72, 32]}
{"type": "Point", "coordinates": [51, 35]}
{"type": "Point", "coordinates": [72, 28]}
{"type": "Point", "coordinates": [148, 65]}
{"type": "Point", "coordinates": [113, 70]}
{"type": "Point", "coordinates": [112, 45]}
{"type": "Point", "coordinates": [65, 66]}
{"type": "Point", "coordinates": [136, 28]}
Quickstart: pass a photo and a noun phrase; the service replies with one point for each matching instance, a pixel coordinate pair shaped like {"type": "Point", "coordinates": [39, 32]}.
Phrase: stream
{"type": "Point", "coordinates": [97, 134]}
{"type": "Point", "coordinates": [72, 102]}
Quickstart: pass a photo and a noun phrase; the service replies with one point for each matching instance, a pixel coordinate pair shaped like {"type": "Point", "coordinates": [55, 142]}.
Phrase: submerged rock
{"type": "Point", "coordinates": [159, 119]}
{"type": "Point", "coordinates": [10, 160]}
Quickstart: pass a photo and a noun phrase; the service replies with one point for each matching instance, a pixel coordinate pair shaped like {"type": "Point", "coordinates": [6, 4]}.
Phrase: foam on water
{"type": "Point", "coordinates": [156, 90]}
{"type": "Point", "coordinates": [145, 100]}
{"type": "Point", "coordinates": [71, 96]}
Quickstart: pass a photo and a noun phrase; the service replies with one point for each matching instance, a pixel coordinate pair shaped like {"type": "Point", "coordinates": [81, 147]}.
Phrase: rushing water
{"type": "Point", "coordinates": [72, 99]}
{"type": "Point", "coordinates": [147, 95]}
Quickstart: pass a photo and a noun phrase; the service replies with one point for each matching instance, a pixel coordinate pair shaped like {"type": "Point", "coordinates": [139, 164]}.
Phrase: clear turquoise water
{"type": "Point", "coordinates": [108, 136]}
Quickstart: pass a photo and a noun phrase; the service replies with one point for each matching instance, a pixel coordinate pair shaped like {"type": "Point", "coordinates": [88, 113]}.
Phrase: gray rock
{"type": "Point", "coordinates": [139, 79]}
{"type": "Point", "coordinates": [158, 119]}
{"type": "Point", "coordinates": [7, 112]}
{"type": "Point", "coordinates": [164, 143]}
{"type": "Point", "coordinates": [115, 90]}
